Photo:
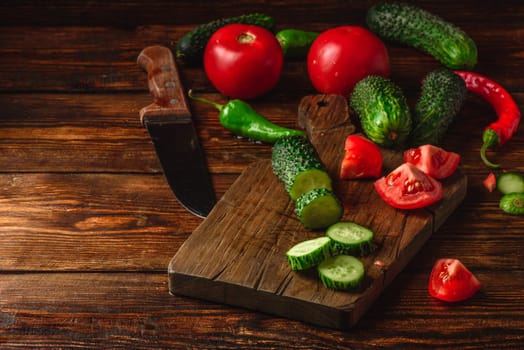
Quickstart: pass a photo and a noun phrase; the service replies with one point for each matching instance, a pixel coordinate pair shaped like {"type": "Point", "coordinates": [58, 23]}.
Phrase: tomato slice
{"type": "Point", "coordinates": [407, 187]}
{"type": "Point", "coordinates": [451, 281]}
{"type": "Point", "coordinates": [490, 182]}
{"type": "Point", "coordinates": [433, 160]}
{"type": "Point", "coordinates": [362, 159]}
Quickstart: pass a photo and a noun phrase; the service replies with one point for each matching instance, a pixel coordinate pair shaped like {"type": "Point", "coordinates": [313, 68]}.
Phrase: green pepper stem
{"type": "Point", "coordinates": [490, 139]}
{"type": "Point", "coordinates": [205, 100]}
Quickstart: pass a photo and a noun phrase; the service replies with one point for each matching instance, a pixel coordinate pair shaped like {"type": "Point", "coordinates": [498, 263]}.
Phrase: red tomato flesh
{"type": "Point", "coordinates": [243, 61]}
{"type": "Point", "coordinates": [407, 187]}
{"type": "Point", "coordinates": [342, 56]}
{"type": "Point", "coordinates": [433, 160]}
{"type": "Point", "coordinates": [362, 159]}
{"type": "Point", "coordinates": [490, 182]}
{"type": "Point", "coordinates": [451, 281]}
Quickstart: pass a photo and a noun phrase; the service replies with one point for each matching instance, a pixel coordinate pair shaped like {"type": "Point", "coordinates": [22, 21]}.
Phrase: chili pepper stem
{"type": "Point", "coordinates": [485, 159]}
{"type": "Point", "coordinates": [205, 100]}
{"type": "Point", "coordinates": [490, 139]}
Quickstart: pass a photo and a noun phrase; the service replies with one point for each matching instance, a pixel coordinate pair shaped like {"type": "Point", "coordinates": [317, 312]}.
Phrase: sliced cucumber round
{"type": "Point", "coordinates": [510, 183]}
{"type": "Point", "coordinates": [318, 209]}
{"type": "Point", "coordinates": [513, 203]}
{"type": "Point", "coordinates": [308, 253]}
{"type": "Point", "coordinates": [341, 272]}
{"type": "Point", "coordinates": [350, 238]}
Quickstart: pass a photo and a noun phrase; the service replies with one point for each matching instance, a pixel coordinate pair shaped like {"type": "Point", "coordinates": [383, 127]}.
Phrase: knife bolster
{"type": "Point", "coordinates": [163, 114]}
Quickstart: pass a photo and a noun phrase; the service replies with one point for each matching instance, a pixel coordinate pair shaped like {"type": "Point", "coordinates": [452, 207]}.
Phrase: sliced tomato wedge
{"type": "Point", "coordinates": [433, 160]}
{"type": "Point", "coordinates": [362, 159]}
{"type": "Point", "coordinates": [490, 182]}
{"type": "Point", "coordinates": [451, 281]}
{"type": "Point", "coordinates": [407, 187]}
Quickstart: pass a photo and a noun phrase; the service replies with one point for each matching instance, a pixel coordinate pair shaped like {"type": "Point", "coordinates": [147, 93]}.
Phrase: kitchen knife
{"type": "Point", "coordinates": [169, 123]}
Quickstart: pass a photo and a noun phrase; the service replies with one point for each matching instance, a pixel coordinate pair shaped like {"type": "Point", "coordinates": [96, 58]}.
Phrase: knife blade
{"type": "Point", "coordinates": [170, 125]}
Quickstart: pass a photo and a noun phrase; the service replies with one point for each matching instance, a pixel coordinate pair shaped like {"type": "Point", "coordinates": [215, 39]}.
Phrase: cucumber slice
{"type": "Point", "coordinates": [350, 238]}
{"type": "Point", "coordinates": [308, 253]}
{"type": "Point", "coordinates": [510, 183]}
{"type": "Point", "coordinates": [513, 203]}
{"type": "Point", "coordinates": [318, 209]}
{"type": "Point", "coordinates": [341, 272]}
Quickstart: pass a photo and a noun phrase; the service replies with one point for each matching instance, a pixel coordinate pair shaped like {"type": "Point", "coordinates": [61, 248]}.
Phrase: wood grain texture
{"type": "Point", "coordinates": [88, 224]}
{"type": "Point", "coordinates": [237, 255]}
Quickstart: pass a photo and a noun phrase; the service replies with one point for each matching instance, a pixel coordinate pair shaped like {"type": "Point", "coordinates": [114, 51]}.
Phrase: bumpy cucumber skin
{"type": "Point", "coordinates": [190, 48]}
{"type": "Point", "coordinates": [443, 93]}
{"type": "Point", "coordinates": [383, 111]}
{"type": "Point", "coordinates": [341, 260]}
{"type": "Point", "coordinates": [313, 258]}
{"type": "Point", "coordinates": [512, 203]}
{"type": "Point", "coordinates": [410, 25]}
{"type": "Point", "coordinates": [292, 156]}
{"type": "Point", "coordinates": [328, 218]}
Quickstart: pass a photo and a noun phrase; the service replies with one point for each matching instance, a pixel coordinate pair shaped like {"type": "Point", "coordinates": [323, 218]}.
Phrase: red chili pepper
{"type": "Point", "coordinates": [500, 131]}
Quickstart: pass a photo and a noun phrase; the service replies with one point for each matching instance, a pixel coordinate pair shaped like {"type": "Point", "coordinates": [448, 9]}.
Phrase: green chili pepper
{"type": "Point", "coordinates": [240, 118]}
{"type": "Point", "coordinates": [295, 43]}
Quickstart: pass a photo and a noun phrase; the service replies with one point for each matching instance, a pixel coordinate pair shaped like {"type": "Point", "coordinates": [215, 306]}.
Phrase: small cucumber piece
{"type": "Point", "coordinates": [510, 183]}
{"type": "Point", "coordinates": [295, 43]}
{"type": "Point", "coordinates": [318, 209]}
{"type": "Point", "coordinates": [513, 203]}
{"type": "Point", "coordinates": [308, 253]}
{"type": "Point", "coordinates": [296, 163]}
{"type": "Point", "coordinates": [341, 272]}
{"type": "Point", "coordinates": [350, 238]}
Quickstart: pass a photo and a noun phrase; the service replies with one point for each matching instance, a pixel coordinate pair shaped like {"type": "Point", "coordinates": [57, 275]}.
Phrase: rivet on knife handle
{"type": "Point", "coordinates": [164, 84]}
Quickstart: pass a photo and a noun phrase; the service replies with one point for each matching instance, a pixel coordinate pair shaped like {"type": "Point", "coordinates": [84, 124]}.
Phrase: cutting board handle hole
{"type": "Point", "coordinates": [323, 103]}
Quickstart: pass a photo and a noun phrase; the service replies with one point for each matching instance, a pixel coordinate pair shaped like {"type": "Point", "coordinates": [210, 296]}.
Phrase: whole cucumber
{"type": "Point", "coordinates": [383, 111]}
{"type": "Point", "coordinates": [190, 48]}
{"type": "Point", "coordinates": [413, 26]}
{"type": "Point", "coordinates": [441, 98]}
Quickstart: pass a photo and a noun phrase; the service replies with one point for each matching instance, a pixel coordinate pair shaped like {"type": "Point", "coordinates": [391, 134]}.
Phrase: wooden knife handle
{"type": "Point", "coordinates": [164, 83]}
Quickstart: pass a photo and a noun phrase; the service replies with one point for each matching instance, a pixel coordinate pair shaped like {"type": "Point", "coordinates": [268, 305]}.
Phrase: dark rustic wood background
{"type": "Point", "coordinates": [88, 224]}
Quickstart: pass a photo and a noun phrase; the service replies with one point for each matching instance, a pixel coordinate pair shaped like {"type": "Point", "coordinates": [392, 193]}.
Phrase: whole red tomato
{"type": "Point", "coordinates": [243, 61]}
{"type": "Point", "coordinates": [342, 56]}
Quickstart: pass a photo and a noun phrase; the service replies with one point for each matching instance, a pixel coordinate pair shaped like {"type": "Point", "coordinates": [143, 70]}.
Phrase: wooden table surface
{"type": "Point", "coordinates": [88, 223]}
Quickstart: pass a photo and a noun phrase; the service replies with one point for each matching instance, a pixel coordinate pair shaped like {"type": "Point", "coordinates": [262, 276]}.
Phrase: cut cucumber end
{"type": "Point", "coordinates": [309, 180]}
{"type": "Point", "coordinates": [308, 253]}
{"type": "Point", "coordinates": [341, 272]}
{"type": "Point", "coordinates": [318, 209]}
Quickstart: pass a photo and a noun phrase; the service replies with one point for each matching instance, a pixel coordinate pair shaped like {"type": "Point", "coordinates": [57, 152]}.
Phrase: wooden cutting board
{"type": "Point", "coordinates": [237, 255]}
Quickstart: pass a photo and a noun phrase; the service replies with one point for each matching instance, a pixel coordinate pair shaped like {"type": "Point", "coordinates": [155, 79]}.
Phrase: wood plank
{"type": "Point", "coordinates": [72, 59]}
{"type": "Point", "coordinates": [135, 310]}
{"type": "Point", "coordinates": [102, 133]}
{"type": "Point", "coordinates": [237, 255]}
{"type": "Point", "coordinates": [94, 222]}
